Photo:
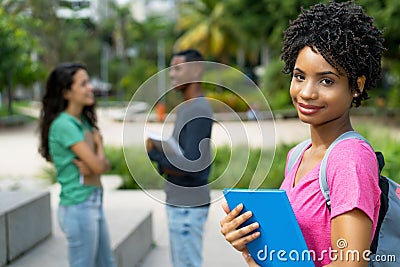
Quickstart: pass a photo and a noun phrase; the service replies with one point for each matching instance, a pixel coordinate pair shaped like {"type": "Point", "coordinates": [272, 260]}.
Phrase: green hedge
{"type": "Point", "coordinates": [238, 167]}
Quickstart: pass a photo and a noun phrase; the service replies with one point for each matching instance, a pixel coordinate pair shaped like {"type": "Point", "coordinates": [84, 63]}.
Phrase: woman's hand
{"type": "Point", "coordinates": [239, 237]}
{"type": "Point", "coordinates": [230, 224]}
{"type": "Point", "coordinates": [83, 168]}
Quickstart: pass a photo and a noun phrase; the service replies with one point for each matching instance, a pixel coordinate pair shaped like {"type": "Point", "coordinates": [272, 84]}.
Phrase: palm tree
{"type": "Point", "coordinates": [206, 26]}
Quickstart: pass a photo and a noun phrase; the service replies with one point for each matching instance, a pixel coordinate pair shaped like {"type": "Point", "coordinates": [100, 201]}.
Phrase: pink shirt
{"type": "Point", "coordinates": [352, 174]}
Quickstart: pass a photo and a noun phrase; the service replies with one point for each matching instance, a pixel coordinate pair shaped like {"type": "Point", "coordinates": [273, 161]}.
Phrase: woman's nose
{"type": "Point", "coordinates": [308, 90]}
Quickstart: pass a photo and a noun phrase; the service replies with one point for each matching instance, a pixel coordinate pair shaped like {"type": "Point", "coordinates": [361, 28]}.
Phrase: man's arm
{"type": "Point", "coordinates": [197, 130]}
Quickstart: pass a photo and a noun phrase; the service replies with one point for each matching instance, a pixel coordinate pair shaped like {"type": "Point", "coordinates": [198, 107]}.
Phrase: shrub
{"type": "Point", "coordinates": [222, 174]}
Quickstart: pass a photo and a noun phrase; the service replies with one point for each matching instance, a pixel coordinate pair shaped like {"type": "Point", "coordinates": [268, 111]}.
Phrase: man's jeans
{"type": "Point", "coordinates": [186, 235]}
{"type": "Point", "coordinates": [86, 230]}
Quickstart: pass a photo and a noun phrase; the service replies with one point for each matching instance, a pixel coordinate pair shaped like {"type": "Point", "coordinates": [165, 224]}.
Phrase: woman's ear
{"type": "Point", "coordinates": [361, 83]}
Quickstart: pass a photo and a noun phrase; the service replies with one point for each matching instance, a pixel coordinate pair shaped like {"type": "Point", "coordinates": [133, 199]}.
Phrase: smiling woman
{"type": "Point", "coordinates": [333, 52]}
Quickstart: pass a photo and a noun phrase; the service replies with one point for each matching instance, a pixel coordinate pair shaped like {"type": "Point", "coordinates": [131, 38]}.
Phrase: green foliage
{"type": "Point", "coordinates": [227, 169]}
{"type": "Point", "coordinates": [227, 97]}
{"type": "Point", "coordinates": [49, 174]}
{"type": "Point", "coordinates": [208, 27]}
{"type": "Point", "coordinates": [118, 166]}
{"type": "Point", "coordinates": [393, 93]}
{"type": "Point", "coordinates": [277, 172]}
{"type": "Point", "coordinates": [140, 70]}
{"type": "Point", "coordinates": [241, 167]}
{"type": "Point", "coordinates": [276, 85]}
{"type": "Point", "coordinates": [17, 45]}
{"type": "Point", "coordinates": [134, 166]}
{"type": "Point", "coordinates": [224, 29]}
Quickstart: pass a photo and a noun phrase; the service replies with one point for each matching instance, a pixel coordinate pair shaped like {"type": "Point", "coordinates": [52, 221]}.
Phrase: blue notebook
{"type": "Point", "coordinates": [281, 242]}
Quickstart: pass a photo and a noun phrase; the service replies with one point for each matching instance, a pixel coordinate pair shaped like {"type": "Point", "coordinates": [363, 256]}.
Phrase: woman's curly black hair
{"type": "Point", "coordinates": [344, 35]}
{"type": "Point", "coordinates": [59, 81]}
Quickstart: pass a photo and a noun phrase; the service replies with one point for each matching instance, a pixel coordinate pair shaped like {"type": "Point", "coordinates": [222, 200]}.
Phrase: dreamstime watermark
{"type": "Point", "coordinates": [340, 254]}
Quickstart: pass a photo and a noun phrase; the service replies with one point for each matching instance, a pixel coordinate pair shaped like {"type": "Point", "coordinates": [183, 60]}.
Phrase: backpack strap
{"type": "Point", "coordinates": [296, 153]}
{"type": "Point", "coordinates": [323, 181]}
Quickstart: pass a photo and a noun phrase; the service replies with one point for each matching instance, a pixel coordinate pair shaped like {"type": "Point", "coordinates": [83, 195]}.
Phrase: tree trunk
{"type": "Point", "coordinates": [240, 58]}
{"type": "Point", "coordinates": [9, 97]}
{"type": "Point", "coordinates": [265, 52]}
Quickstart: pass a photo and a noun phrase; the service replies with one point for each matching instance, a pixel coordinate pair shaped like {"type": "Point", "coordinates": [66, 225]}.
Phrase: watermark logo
{"type": "Point", "coordinates": [341, 243]}
{"type": "Point", "coordinates": [284, 255]}
{"type": "Point", "coordinates": [341, 254]}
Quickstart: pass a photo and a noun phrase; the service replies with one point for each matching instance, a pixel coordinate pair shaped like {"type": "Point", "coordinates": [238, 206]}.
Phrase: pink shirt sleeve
{"type": "Point", "coordinates": [352, 173]}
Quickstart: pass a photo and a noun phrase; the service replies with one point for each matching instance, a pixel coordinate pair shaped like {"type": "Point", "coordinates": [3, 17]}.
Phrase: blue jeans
{"type": "Point", "coordinates": [186, 235]}
{"type": "Point", "coordinates": [86, 230]}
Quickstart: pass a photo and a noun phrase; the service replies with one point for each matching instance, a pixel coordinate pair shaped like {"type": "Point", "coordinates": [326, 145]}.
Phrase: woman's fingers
{"type": "Point", "coordinates": [225, 207]}
{"type": "Point", "coordinates": [241, 237]}
{"type": "Point", "coordinates": [232, 214]}
{"type": "Point", "coordinates": [233, 233]}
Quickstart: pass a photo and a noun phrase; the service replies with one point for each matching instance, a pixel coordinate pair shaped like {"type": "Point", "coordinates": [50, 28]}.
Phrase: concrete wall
{"type": "Point", "coordinates": [27, 221]}
{"type": "Point", "coordinates": [137, 244]}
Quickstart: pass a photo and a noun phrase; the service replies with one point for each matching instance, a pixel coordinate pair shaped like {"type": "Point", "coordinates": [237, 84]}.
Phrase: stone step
{"type": "Point", "coordinates": [130, 229]}
{"type": "Point", "coordinates": [25, 220]}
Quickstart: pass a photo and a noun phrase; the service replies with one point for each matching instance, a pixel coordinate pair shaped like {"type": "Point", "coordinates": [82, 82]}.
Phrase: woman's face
{"type": "Point", "coordinates": [319, 93]}
{"type": "Point", "coordinates": [81, 92]}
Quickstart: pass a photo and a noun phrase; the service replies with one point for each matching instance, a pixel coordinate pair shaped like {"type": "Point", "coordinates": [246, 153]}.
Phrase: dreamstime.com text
{"type": "Point", "coordinates": [333, 255]}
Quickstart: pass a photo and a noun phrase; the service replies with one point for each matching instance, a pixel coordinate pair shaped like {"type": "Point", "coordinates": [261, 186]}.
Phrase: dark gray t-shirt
{"type": "Point", "coordinates": [192, 130]}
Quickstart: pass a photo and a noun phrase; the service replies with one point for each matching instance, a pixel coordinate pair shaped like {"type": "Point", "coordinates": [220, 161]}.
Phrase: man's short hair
{"type": "Point", "coordinates": [190, 55]}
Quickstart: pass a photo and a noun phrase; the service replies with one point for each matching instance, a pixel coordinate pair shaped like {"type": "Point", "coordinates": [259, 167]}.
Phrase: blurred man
{"type": "Point", "coordinates": [187, 191]}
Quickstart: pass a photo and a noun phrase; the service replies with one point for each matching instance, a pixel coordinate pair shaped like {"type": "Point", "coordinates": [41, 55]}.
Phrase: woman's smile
{"type": "Point", "coordinates": [307, 109]}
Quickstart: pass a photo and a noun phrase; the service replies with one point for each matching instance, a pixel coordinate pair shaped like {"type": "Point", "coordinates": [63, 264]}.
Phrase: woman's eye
{"type": "Point", "coordinates": [327, 81]}
{"type": "Point", "coordinates": [298, 76]}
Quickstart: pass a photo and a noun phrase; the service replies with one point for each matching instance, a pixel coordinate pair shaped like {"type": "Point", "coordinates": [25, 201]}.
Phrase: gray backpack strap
{"type": "Point", "coordinates": [296, 153]}
{"type": "Point", "coordinates": [323, 181]}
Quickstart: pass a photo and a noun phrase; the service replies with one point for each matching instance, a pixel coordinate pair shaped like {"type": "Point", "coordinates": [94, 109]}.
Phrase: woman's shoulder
{"type": "Point", "coordinates": [352, 153]}
{"type": "Point", "coordinates": [63, 122]}
{"type": "Point", "coordinates": [353, 147]}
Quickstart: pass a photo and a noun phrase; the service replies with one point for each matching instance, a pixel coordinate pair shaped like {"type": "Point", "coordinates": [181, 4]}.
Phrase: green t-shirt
{"type": "Point", "coordinates": [64, 132]}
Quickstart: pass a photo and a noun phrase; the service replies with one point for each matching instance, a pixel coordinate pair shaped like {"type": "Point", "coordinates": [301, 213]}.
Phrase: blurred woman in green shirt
{"type": "Point", "coordinates": [71, 141]}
